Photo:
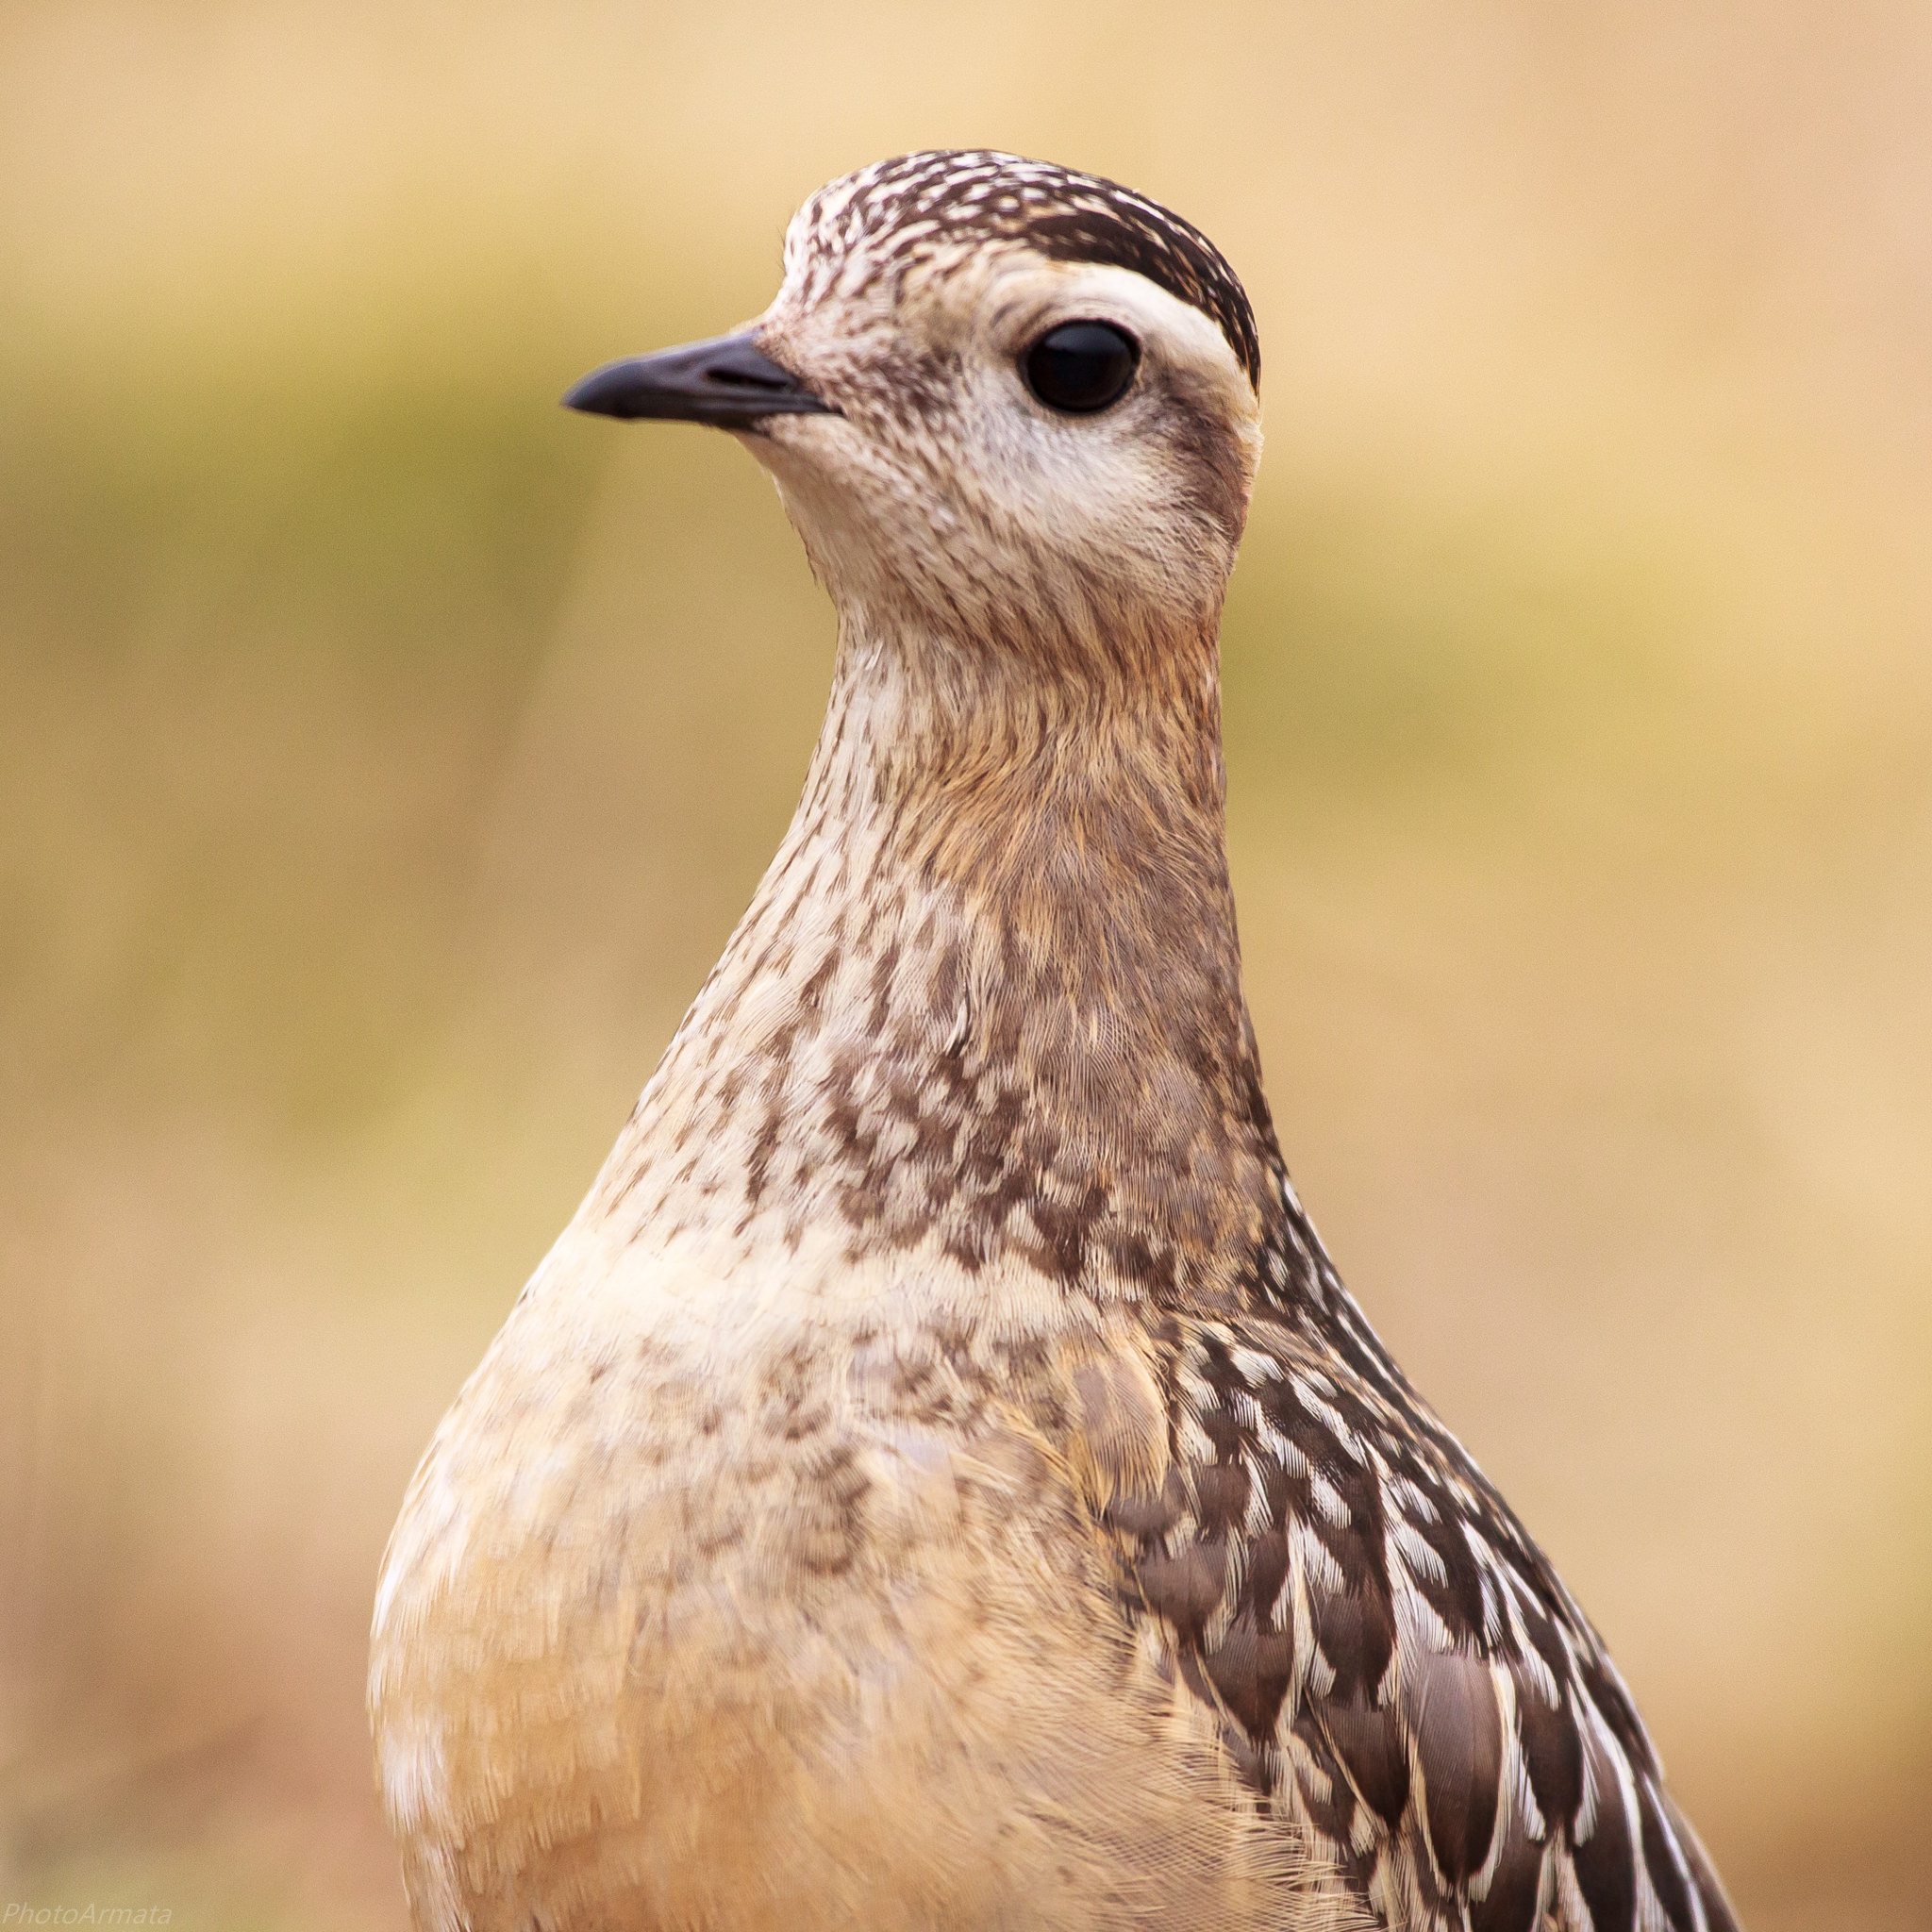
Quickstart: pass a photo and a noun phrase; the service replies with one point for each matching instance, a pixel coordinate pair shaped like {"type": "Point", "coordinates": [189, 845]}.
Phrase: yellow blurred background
{"type": "Point", "coordinates": [384, 754]}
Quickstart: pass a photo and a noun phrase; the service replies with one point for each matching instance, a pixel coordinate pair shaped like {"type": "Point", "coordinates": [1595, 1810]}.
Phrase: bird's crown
{"type": "Point", "coordinates": [896, 214]}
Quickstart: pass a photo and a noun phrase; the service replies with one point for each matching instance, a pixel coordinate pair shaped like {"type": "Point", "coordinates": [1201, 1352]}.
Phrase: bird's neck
{"type": "Point", "coordinates": [989, 992]}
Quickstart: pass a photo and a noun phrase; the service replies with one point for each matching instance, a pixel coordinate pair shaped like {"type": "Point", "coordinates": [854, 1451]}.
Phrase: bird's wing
{"type": "Point", "coordinates": [1399, 1671]}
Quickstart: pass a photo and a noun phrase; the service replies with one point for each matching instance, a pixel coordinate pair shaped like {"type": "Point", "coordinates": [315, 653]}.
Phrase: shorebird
{"type": "Point", "coordinates": [938, 1479]}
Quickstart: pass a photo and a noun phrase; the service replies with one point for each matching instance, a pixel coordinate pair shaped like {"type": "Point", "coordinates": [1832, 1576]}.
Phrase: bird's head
{"type": "Point", "coordinates": [1002, 402]}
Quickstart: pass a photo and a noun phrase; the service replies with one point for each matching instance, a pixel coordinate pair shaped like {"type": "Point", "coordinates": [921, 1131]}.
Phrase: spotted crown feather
{"type": "Point", "coordinates": [885, 217]}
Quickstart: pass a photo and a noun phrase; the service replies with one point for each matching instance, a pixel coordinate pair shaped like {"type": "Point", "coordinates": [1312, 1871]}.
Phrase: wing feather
{"type": "Point", "coordinates": [1399, 1671]}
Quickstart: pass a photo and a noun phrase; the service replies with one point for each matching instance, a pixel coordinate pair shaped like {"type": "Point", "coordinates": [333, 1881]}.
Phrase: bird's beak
{"type": "Point", "coordinates": [728, 382]}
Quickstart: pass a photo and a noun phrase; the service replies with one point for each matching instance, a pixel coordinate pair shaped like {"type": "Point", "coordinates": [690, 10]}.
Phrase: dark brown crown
{"type": "Point", "coordinates": [963, 195]}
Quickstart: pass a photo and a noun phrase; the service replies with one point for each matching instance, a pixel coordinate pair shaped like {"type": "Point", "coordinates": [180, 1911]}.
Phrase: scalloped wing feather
{"type": "Point", "coordinates": [1399, 1672]}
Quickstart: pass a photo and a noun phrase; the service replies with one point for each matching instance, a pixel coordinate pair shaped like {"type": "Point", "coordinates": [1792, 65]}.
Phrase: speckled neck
{"type": "Point", "coordinates": [988, 994]}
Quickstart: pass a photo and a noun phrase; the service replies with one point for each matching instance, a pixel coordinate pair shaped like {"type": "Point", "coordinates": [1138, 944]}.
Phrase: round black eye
{"type": "Point", "coordinates": [1081, 366]}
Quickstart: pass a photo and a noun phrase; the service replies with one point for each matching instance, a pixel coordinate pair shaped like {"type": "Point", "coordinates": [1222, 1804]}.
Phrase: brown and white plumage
{"type": "Point", "coordinates": [938, 1479]}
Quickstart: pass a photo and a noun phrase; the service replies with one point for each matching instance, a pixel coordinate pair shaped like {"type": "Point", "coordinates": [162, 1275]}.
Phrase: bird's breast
{"type": "Point", "coordinates": [692, 1543]}
{"type": "Point", "coordinates": [756, 1596]}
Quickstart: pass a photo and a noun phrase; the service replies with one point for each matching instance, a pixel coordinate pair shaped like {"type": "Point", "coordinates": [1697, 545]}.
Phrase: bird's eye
{"type": "Point", "coordinates": [1081, 366]}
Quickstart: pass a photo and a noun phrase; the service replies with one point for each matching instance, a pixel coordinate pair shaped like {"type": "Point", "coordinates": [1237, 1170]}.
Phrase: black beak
{"type": "Point", "coordinates": [727, 381]}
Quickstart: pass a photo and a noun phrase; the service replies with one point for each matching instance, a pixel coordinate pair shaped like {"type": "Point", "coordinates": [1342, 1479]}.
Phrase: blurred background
{"type": "Point", "coordinates": [385, 754]}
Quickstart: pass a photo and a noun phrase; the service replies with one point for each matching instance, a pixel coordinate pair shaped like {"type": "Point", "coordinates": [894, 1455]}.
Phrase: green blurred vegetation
{"type": "Point", "coordinates": [385, 754]}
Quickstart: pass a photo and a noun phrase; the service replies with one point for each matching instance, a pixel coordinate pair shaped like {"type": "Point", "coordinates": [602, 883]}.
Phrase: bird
{"type": "Point", "coordinates": [938, 1479]}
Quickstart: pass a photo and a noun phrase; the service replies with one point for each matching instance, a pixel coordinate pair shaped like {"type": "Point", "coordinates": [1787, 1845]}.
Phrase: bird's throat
{"type": "Point", "coordinates": [988, 996]}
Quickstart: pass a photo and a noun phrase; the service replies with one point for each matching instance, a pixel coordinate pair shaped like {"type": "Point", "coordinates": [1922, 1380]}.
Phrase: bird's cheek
{"type": "Point", "coordinates": [830, 515]}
